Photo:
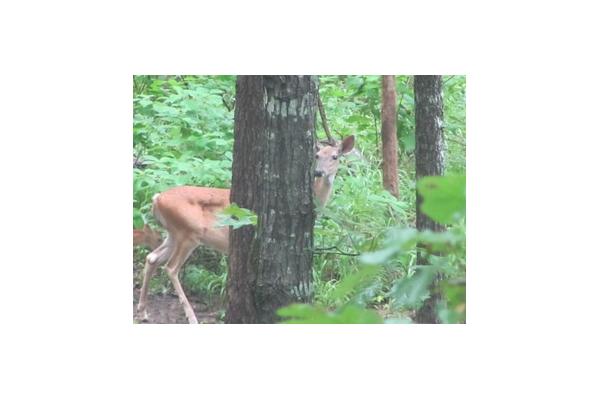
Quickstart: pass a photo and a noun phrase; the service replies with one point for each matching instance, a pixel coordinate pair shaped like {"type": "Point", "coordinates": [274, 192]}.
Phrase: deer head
{"type": "Point", "coordinates": [326, 166]}
{"type": "Point", "coordinates": [327, 157]}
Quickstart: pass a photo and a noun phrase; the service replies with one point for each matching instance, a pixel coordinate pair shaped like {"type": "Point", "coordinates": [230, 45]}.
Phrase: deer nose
{"type": "Point", "coordinates": [318, 173]}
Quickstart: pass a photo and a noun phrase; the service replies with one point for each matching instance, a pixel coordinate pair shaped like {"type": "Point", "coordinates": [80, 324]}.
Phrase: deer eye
{"type": "Point", "coordinates": [334, 157]}
{"type": "Point", "coordinates": [317, 156]}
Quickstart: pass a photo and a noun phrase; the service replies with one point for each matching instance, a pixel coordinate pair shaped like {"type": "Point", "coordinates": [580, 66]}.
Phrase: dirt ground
{"type": "Point", "coordinates": [165, 309]}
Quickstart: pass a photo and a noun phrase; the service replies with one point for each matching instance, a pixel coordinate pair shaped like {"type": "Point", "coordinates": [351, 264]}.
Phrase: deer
{"type": "Point", "coordinates": [189, 215]}
{"type": "Point", "coordinates": [147, 237]}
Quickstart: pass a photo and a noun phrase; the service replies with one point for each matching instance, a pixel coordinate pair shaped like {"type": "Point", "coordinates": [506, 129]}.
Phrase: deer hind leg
{"type": "Point", "coordinates": [180, 254]}
{"type": "Point", "coordinates": [153, 260]}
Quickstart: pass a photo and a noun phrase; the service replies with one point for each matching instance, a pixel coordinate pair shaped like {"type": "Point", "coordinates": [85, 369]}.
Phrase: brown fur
{"type": "Point", "coordinates": [147, 237]}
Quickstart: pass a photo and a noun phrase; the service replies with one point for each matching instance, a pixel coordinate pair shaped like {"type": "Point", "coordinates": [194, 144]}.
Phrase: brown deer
{"type": "Point", "coordinates": [147, 237]}
{"type": "Point", "coordinates": [189, 213]}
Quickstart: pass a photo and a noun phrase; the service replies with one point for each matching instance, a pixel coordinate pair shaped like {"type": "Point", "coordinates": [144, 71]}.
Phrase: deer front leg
{"type": "Point", "coordinates": [180, 255]}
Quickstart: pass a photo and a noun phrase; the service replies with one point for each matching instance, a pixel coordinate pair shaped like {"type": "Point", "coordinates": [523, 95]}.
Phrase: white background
{"type": "Point", "coordinates": [532, 117]}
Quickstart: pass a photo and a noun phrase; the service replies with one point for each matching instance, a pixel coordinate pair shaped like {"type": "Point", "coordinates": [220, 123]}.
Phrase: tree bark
{"type": "Point", "coordinates": [389, 140]}
{"type": "Point", "coordinates": [270, 265]}
{"type": "Point", "coordinates": [429, 155]}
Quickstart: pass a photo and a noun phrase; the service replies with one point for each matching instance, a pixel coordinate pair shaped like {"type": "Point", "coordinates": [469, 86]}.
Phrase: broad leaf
{"type": "Point", "coordinates": [410, 292]}
{"type": "Point", "coordinates": [236, 217]}
{"type": "Point", "coordinates": [444, 197]}
{"type": "Point", "coordinates": [308, 314]}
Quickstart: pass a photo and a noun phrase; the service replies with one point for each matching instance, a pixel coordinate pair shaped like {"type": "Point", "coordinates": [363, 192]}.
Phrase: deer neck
{"type": "Point", "coordinates": [323, 187]}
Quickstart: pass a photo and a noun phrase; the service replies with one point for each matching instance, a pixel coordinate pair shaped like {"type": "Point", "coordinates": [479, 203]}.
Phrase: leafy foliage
{"type": "Point", "coordinates": [205, 283]}
{"type": "Point", "coordinates": [446, 202]}
{"type": "Point", "coordinates": [445, 197]}
{"type": "Point", "coordinates": [454, 90]}
{"type": "Point", "coordinates": [184, 134]}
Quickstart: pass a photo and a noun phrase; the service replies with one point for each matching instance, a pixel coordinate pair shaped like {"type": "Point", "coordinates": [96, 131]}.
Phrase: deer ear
{"type": "Point", "coordinates": [347, 144]}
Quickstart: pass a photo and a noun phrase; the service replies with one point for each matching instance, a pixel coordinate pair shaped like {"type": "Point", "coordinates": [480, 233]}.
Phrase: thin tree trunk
{"type": "Point", "coordinates": [429, 155]}
{"type": "Point", "coordinates": [270, 265]}
{"type": "Point", "coordinates": [389, 140]}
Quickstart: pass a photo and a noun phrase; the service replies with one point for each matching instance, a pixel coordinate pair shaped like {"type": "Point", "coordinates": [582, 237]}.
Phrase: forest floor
{"type": "Point", "coordinates": [165, 309]}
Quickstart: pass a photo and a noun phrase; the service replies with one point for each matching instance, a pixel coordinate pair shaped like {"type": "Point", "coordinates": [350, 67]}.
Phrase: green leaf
{"type": "Point", "coordinates": [444, 197]}
{"type": "Point", "coordinates": [454, 311]}
{"type": "Point", "coordinates": [441, 241]}
{"type": "Point", "coordinates": [138, 219]}
{"type": "Point", "coordinates": [356, 315]}
{"type": "Point", "coordinates": [399, 240]}
{"type": "Point", "coordinates": [410, 292]}
{"type": "Point", "coordinates": [308, 314]}
{"type": "Point", "coordinates": [236, 217]}
{"type": "Point", "coordinates": [361, 277]}
{"type": "Point", "coordinates": [379, 256]}
{"type": "Point", "coordinates": [298, 310]}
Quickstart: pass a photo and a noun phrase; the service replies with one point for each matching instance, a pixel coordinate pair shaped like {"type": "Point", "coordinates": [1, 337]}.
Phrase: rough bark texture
{"type": "Point", "coordinates": [389, 140]}
{"type": "Point", "coordinates": [429, 154]}
{"type": "Point", "coordinates": [270, 265]}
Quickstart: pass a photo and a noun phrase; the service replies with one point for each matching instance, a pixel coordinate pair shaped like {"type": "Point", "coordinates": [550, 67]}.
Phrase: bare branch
{"type": "Point", "coordinates": [324, 119]}
{"type": "Point", "coordinates": [339, 252]}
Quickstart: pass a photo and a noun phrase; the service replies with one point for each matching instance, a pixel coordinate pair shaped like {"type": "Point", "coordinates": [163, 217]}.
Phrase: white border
{"type": "Point", "coordinates": [532, 140]}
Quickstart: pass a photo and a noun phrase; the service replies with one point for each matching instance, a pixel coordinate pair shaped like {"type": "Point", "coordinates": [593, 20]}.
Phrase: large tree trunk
{"type": "Point", "coordinates": [389, 140]}
{"type": "Point", "coordinates": [429, 155]}
{"type": "Point", "coordinates": [270, 265]}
